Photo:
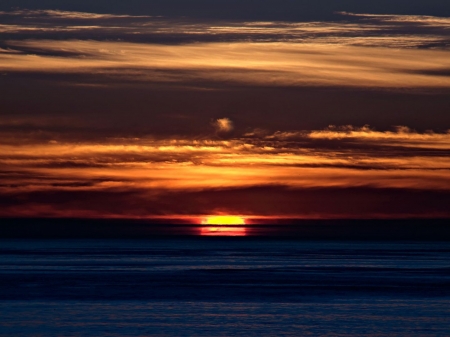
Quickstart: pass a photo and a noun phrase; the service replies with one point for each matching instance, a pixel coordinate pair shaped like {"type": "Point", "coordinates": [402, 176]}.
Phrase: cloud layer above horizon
{"type": "Point", "coordinates": [344, 160]}
{"type": "Point", "coordinates": [114, 115]}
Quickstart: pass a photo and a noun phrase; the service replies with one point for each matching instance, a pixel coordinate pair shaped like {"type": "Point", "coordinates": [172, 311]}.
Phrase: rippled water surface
{"type": "Point", "coordinates": [223, 287]}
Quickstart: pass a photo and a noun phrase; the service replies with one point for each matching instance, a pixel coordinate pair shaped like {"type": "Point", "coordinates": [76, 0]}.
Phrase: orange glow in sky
{"type": "Point", "coordinates": [222, 226]}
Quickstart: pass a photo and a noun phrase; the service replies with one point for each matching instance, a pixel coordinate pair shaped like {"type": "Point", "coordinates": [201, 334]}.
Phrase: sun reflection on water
{"type": "Point", "coordinates": [223, 231]}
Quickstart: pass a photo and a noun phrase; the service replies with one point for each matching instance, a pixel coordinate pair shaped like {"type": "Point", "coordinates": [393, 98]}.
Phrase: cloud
{"type": "Point", "coordinates": [282, 64]}
{"type": "Point", "coordinates": [393, 31]}
{"type": "Point", "coordinates": [433, 21]}
{"type": "Point", "coordinates": [401, 136]}
{"type": "Point", "coordinates": [52, 14]}
{"type": "Point", "coordinates": [351, 157]}
{"type": "Point", "coordinates": [341, 171]}
{"type": "Point", "coordinates": [223, 125]}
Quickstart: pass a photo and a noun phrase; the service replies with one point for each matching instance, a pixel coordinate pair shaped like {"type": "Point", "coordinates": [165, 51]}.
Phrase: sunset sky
{"type": "Point", "coordinates": [186, 109]}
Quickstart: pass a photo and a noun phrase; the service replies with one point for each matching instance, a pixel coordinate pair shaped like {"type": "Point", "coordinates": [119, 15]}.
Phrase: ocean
{"type": "Point", "coordinates": [223, 286]}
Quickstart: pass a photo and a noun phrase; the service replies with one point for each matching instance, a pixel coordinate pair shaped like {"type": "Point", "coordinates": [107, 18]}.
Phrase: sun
{"type": "Point", "coordinates": [224, 220]}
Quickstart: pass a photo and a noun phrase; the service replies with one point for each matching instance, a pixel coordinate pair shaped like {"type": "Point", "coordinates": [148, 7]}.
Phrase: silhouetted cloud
{"type": "Point", "coordinates": [256, 201]}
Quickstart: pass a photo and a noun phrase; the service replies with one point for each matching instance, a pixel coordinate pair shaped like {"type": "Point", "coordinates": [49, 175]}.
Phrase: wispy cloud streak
{"type": "Point", "coordinates": [441, 22]}
{"type": "Point", "coordinates": [301, 159]}
{"type": "Point", "coordinates": [52, 14]}
{"type": "Point", "coordinates": [256, 63]}
{"type": "Point", "coordinates": [397, 31]}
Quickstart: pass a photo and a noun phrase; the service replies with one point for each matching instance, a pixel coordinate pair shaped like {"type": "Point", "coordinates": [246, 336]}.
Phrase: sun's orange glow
{"type": "Point", "coordinates": [223, 231]}
{"type": "Point", "coordinates": [224, 220]}
{"type": "Point", "coordinates": [224, 225]}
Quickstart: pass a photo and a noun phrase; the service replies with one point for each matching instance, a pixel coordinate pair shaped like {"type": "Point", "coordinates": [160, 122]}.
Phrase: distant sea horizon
{"type": "Point", "coordinates": [299, 229]}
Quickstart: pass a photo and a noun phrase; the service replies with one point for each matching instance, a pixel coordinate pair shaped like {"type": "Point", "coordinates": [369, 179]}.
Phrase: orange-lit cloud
{"type": "Point", "coordinates": [49, 13]}
{"type": "Point", "coordinates": [355, 159]}
{"type": "Point", "coordinates": [274, 64]}
{"type": "Point", "coordinates": [223, 125]}
{"type": "Point", "coordinates": [396, 31]}
{"type": "Point", "coordinates": [427, 20]}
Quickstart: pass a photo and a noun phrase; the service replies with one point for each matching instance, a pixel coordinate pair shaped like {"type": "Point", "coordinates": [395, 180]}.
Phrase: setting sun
{"type": "Point", "coordinates": [224, 220]}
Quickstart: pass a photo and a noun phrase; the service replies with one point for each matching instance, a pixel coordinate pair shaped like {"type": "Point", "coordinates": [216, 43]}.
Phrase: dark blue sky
{"type": "Point", "coordinates": [240, 9]}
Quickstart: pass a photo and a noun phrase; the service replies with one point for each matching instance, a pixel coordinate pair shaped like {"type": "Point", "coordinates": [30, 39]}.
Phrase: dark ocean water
{"type": "Point", "coordinates": [223, 287]}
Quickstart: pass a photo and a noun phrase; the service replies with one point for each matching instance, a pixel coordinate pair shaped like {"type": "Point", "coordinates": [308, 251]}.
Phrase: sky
{"type": "Point", "coordinates": [262, 109]}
